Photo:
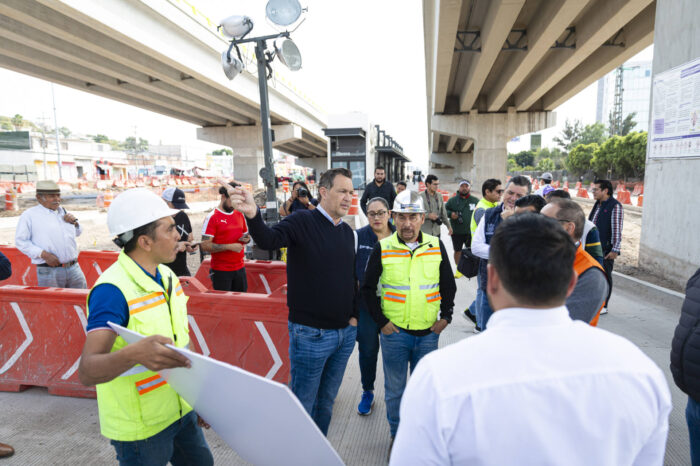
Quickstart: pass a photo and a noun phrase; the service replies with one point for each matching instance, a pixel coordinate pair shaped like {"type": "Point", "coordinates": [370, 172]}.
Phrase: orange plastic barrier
{"type": "Point", "coordinates": [42, 332]}
{"type": "Point", "coordinates": [445, 197]}
{"type": "Point", "coordinates": [263, 277]}
{"type": "Point", "coordinates": [243, 329]}
{"type": "Point", "coordinates": [578, 185]}
{"type": "Point", "coordinates": [355, 207]}
{"type": "Point", "coordinates": [108, 198]}
{"type": "Point", "coordinates": [624, 197]}
{"type": "Point", "coordinates": [23, 271]}
{"type": "Point", "coordinates": [566, 185]}
{"type": "Point", "coordinates": [94, 262]}
{"type": "Point", "coordinates": [421, 186]}
{"type": "Point", "coordinates": [582, 193]}
{"type": "Point", "coordinates": [285, 186]}
{"type": "Point", "coordinates": [638, 189]}
{"type": "Point", "coordinates": [11, 200]}
{"type": "Point", "coordinates": [640, 200]}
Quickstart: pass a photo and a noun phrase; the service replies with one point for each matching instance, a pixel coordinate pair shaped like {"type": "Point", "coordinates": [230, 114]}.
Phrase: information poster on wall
{"type": "Point", "coordinates": [675, 121]}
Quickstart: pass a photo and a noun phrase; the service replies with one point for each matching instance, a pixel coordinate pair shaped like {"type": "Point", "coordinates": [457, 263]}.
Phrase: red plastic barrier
{"type": "Point", "coordinates": [624, 197]}
{"type": "Point", "coordinates": [42, 331]}
{"type": "Point", "coordinates": [638, 189]}
{"type": "Point", "coordinates": [640, 200]}
{"type": "Point", "coordinates": [23, 271]}
{"type": "Point", "coordinates": [94, 262]}
{"type": "Point", "coordinates": [243, 329]}
{"type": "Point", "coordinates": [263, 276]}
{"type": "Point", "coordinates": [582, 193]}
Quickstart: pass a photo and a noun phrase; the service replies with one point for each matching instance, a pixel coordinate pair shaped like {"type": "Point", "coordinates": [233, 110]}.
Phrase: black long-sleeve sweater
{"type": "Point", "coordinates": [448, 287]}
{"type": "Point", "coordinates": [5, 267]}
{"type": "Point", "coordinates": [321, 283]}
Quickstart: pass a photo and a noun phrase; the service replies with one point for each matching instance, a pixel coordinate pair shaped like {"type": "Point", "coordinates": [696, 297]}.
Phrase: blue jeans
{"type": "Point", "coordinates": [692, 417]}
{"type": "Point", "coordinates": [181, 443]}
{"type": "Point", "coordinates": [484, 308]}
{"type": "Point", "coordinates": [318, 358]}
{"type": "Point", "coordinates": [368, 347]}
{"type": "Point", "coordinates": [474, 306]}
{"type": "Point", "coordinates": [399, 350]}
{"type": "Point", "coordinates": [61, 277]}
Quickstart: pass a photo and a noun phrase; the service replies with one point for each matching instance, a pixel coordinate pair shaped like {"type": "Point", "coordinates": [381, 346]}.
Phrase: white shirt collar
{"type": "Point", "coordinates": [524, 317]}
{"type": "Point", "coordinates": [325, 214]}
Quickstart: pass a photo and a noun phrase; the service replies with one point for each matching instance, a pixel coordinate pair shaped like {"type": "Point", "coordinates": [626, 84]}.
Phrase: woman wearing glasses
{"type": "Point", "coordinates": [379, 227]}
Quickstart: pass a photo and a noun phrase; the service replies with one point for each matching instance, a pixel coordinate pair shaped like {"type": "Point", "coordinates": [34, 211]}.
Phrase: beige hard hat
{"type": "Point", "coordinates": [408, 202]}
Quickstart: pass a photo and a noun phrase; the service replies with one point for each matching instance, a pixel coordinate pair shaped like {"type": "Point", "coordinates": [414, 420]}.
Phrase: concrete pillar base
{"type": "Point", "coordinates": [490, 133]}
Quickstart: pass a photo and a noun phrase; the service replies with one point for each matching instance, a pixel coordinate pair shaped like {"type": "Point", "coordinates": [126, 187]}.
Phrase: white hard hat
{"type": "Point", "coordinates": [408, 202]}
{"type": "Point", "coordinates": [135, 208]}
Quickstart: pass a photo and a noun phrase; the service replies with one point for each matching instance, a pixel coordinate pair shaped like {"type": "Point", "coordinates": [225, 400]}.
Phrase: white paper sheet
{"type": "Point", "coordinates": [260, 419]}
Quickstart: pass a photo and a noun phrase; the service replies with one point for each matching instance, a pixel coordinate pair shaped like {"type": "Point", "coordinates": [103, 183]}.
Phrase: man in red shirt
{"type": "Point", "coordinates": [224, 236]}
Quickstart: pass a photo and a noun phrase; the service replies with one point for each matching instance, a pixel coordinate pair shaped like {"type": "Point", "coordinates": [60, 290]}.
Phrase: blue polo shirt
{"type": "Point", "coordinates": [108, 304]}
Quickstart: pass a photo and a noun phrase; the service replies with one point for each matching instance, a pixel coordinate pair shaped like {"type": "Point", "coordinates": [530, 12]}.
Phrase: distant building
{"type": "Point", "coordinates": [636, 95]}
{"type": "Point", "coordinates": [358, 145]}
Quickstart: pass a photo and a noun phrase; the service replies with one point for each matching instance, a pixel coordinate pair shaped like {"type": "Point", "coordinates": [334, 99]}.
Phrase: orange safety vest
{"type": "Point", "coordinates": [583, 262]}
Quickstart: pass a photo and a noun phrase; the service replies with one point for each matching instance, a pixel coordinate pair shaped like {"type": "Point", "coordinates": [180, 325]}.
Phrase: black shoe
{"type": "Point", "coordinates": [469, 316]}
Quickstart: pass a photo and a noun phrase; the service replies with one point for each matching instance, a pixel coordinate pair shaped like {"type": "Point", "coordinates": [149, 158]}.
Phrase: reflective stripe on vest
{"type": "Point", "coordinates": [139, 403]}
{"type": "Point", "coordinates": [409, 283]}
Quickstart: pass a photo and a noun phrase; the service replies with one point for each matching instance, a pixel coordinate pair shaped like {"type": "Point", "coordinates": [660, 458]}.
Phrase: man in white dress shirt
{"type": "Point", "coordinates": [544, 389]}
{"type": "Point", "coordinates": [46, 234]}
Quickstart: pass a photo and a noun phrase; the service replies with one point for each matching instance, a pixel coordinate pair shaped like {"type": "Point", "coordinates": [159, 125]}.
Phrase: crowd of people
{"type": "Point", "coordinates": [541, 386]}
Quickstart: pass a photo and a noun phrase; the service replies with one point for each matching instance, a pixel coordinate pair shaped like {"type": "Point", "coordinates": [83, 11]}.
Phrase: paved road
{"type": "Point", "coordinates": [46, 429]}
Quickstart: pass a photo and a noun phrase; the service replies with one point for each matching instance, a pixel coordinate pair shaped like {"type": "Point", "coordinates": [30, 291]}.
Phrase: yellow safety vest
{"type": "Point", "coordinates": [410, 282]}
{"type": "Point", "coordinates": [139, 403]}
{"type": "Point", "coordinates": [482, 204]}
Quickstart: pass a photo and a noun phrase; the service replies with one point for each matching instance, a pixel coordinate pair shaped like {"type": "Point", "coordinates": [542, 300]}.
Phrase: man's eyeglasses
{"type": "Point", "coordinates": [381, 213]}
{"type": "Point", "coordinates": [499, 191]}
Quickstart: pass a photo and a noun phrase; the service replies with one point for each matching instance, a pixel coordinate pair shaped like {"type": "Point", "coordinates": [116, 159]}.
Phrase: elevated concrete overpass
{"type": "Point", "coordinates": [159, 56]}
{"type": "Point", "coordinates": [496, 69]}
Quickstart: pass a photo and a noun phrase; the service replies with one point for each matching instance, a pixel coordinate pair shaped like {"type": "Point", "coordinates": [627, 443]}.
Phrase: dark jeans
{"type": "Point", "coordinates": [608, 266]}
{"type": "Point", "coordinates": [368, 347]}
{"type": "Point", "coordinates": [399, 352]}
{"type": "Point", "coordinates": [234, 280]}
{"type": "Point", "coordinates": [181, 443]}
{"type": "Point", "coordinates": [318, 358]}
{"type": "Point", "coordinates": [483, 307]}
{"type": "Point", "coordinates": [692, 417]}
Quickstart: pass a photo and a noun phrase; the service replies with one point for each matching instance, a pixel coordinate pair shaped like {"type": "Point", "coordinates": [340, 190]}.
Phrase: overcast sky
{"type": "Point", "coordinates": [362, 56]}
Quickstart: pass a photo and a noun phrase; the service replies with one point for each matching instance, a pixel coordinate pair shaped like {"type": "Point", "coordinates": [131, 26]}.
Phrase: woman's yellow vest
{"type": "Point", "coordinates": [410, 282]}
{"type": "Point", "coordinates": [139, 403]}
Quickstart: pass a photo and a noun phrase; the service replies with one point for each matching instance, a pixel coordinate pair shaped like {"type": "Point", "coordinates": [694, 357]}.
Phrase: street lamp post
{"type": "Point", "coordinates": [282, 13]}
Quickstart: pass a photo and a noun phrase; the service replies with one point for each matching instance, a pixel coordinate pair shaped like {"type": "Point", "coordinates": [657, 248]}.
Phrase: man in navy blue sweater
{"type": "Point", "coordinates": [321, 288]}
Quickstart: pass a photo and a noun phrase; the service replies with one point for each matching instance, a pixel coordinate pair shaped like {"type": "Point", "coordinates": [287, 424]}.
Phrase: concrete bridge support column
{"type": "Point", "coordinates": [490, 133]}
{"type": "Point", "coordinates": [246, 143]}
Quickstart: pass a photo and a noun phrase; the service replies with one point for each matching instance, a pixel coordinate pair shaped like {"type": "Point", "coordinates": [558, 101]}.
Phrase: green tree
{"type": "Point", "coordinates": [18, 121]}
{"type": "Point", "coordinates": [628, 124]}
{"type": "Point", "coordinates": [605, 158]}
{"type": "Point", "coordinates": [6, 123]}
{"type": "Point", "coordinates": [631, 155]}
{"type": "Point", "coordinates": [569, 135]}
{"type": "Point", "coordinates": [134, 146]}
{"type": "Point", "coordinates": [580, 157]}
{"type": "Point", "coordinates": [64, 131]}
{"type": "Point", "coordinates": [100, 138]}
{"type": "Point", "coordinates": [513, 165]}
{"type": "Point", "coordinates": [594, 133]}
{"type": "Point", "coordinates": [222, 151]}
{"type": "Point", "coordinates": [546, 165]}
{"type": "Point", "coordinates": [525, 158]}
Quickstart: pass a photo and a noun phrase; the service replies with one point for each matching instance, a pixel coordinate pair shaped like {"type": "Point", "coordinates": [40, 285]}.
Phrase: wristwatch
{"type": "Point", "coordinates": [448, 318]}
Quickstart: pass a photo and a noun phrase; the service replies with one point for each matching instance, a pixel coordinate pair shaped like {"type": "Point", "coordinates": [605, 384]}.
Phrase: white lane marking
{"type": "Point", "coordinates": [83, 322]}
{"type": "Point", "coordinates": [265, 284]}
{"type": "Point", "coordinates": [28, 341]}
{"type": "Point", "coordinates": [198, 335]}
{"type": "Point", "coordinates": [97, 267]}
{"type": "Point", "coordinates": [273, 350]}
{"type": "Point", "coordinates": [24, 276]}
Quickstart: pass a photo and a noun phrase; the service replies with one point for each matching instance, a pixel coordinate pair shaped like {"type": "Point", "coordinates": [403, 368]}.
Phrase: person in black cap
{"type": "Point", "coordinates": [175, 198]}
